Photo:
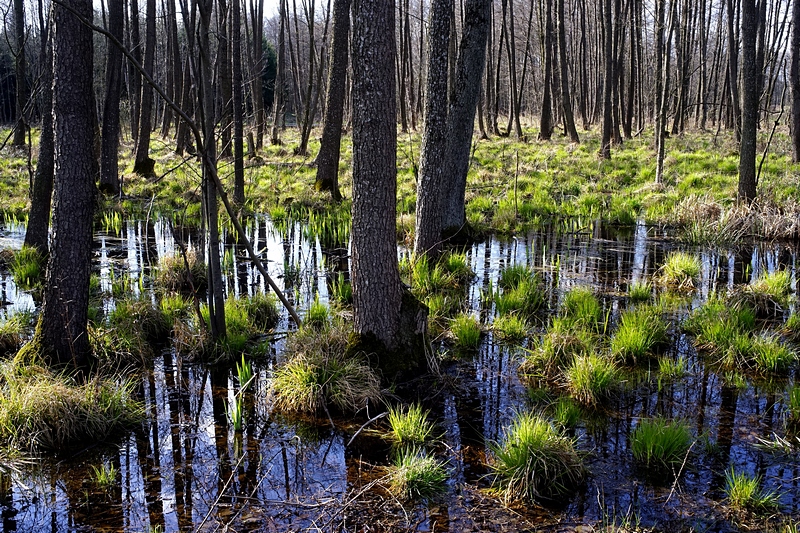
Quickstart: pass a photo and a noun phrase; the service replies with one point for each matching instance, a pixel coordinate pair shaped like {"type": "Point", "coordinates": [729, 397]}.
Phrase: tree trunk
{"type": "Point", "coordinates": [461, 112]}
{"type": "Point", "coordinates": [61, 335]}
{"type": "Point", "coordinates": [225, 88]}
{"type": "Point", "coordinates": [20, 72]}
{"type": "Point", "coordinates": [279, 105]}
{"type": "Point", "coordinates": [379, 304]}
{"type": "Point", "coordinates": [134, 76]}
{"type": "Point", "coordinates": [36, 232]}
{"type": "Point", "coordinates": [750, 95]}
{"type": "Point", "coordinates": [608, 81]}
{"type": "Point", "coordinates": [566, 100]}
{"type": "Point", "coordinates": [235, 36]}
{"type": "Point", "coordinates": [427, 234]}
{"type": "Point", "coordinates": [546, 117]}
{"type": "Point", "coordinates": [328, 157]}
{"type": "Point", "coordinates": [109, 158]}
{"type": "Point", "coordinates": [733, 67]}
{"type": "Point", "coordinates": [794, 80]}
{"type": "Point", "coordinates": [143, 164]}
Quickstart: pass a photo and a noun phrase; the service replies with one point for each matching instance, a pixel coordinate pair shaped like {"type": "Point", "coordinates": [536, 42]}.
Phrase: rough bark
{"type": "Point", "coordinates": [750, 95]}
{"type": "Point", "coordinates": [61, 334]}
{"type": "Point", "coordinates": [546, 116]}
{"type": "Point", "coordinates": [134, 77]}
{"type": "Point", "coordinates": [461, 112]}
{"type": "Point", "coordinates": [733, 66]}
{"type": "Point", "coordinates": [608, 81]}
{"type": "Point", "coordinates": [143, 164]}
{"type": "Point", "coordinates": [329, 149]}
{"type": "Point", "coordinates": [278, 118]}
{"type": "Point", "coordinates": [235, 36]}
{"type": "Point", "coordinates": [36, 232]}
{"type": "Point", "coordinates": [427, 234]}
{"type": "Point", "coordinates": [379, 302]}
{"type": "Point", "coordinates": [566, 100]}
{"type": "Point", "coordinates": [109, 158]}
{"type": "Point", "coordinates": [794, 80]}
{"type": "Point", "coordinates": [20, 72]}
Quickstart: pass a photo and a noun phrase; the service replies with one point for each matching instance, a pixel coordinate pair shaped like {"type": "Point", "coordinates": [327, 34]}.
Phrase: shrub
{"type": "Point", "coordinates": [592, 379]}
{"type": "Point", "coordinates": [466, 331]}
{"type": "Point", "coordinates": [534, 461]}
{"type": "Point", "coordinates": [410, 426]}
{"type": "Point", "coordinates": [658, 443]}
{"type": "Point", "coordinates": [745, 492]}
{"type": "Point", "coordinates": [318, 374]}
{"type": "Point", "coordinates": [415, 475]}
{"type": "Point", "coordinates": [681, 270]}
{"type": "Point", "coordinates": [641, 331]}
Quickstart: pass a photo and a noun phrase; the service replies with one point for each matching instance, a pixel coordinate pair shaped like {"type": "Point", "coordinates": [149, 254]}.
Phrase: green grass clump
{"type": "Point", "coordinates": [791, 328]}
{"type": "Point", "coordinates": [534, 461]}
{"type": "Point", "coordinates": [175, 307]}
{"type": "Point", "coordinates": [640, 292]}
{"type": "Point", "coordinates": [559, 347]}
{"type": "Point", "coordinates": [767, 295]}
{"type": "Point", "coordinates": [672, 369]}
{"type": "Point", "coordinates": [318, 374]}
{"type": "Point", "coordinates": [745, 492]}
{"type": "Point", "coordinates": [641, 331]}
{"type": "Point", "coordinates": [172, 274]}
{"type": "Point", "coordinates": [582, 308]}
{"type": "Point", "coordinates": [793, 406]}
{"type": "Point", "coordinates": [592, 379]}
{"type": "Point", "coordinates": [458, 268]}
{"type": "Point", "coordinates": [13, 329]}
{"type": "Point", "coordinates": [680, 270]}
{"type": "Point", "coordinates": [342, 290]}
{"type": "Point", "coordinates": [566, 412]}
{"type": "Point", "coordinates": [104, 476]}
{"type": "Point", "coordinates": [43, 410]}
{"type": "Point", "coordinates": [658, 443]}
{"type": "Point", "coordinates": [262, 311]}
{"type": "Point", "coordinates": [317, 315]}
{"type": "Point", "coordinates": [136, 328]}
{"type": "Point", "coordinates": [466, 331]}
{"type": "Point", "coordinates": [414, 475]}
{"type": "Point", "coordinates": [28, 268]}
{"type": "Point", "coordinates": [520, 292]}
{"type": "Point", "coordinates": [513, 275]}
{"type": "Point", "coordinates": [410, 427]}
{"type": "Point", "coordinates": [510, 328]}
{"type": "Point", "coordinates": [719, 328]}
{"type": "Point", "coordinates": [770, 356]}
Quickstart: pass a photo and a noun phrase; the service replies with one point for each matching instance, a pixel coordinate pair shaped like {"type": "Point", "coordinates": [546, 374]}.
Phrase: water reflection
{"type": "Point", "coordinates": [188, 469]}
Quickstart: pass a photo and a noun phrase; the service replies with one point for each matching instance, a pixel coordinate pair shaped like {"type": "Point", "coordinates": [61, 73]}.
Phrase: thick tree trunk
{"type": "Point", "coordinates": [750, 95]}
{"type": "Point", "coordinates": [435, 136]}
{"type": "Point", "coordinates": [20, 72]}
{"type": "Point", "coordinates": [61, 334]}
{"type": "Point", "coordinates": [143, 164]}
{"type": "Point", "coordinates": [566, 100]}
{"type": "Point", "coordinates": [794, 79]}
{"type": "Point", "coordinates": [461, 113]}
{"type": "Point", "coordinates": [235, 36]}
{"type": "Point", "coordinates": [109, 157]}
{"type": "Point", "coordinates": [379, 303]}
{"type": "Point", "coordinates": [328, 157]}
{"type": "Point", "coordinates": [36, 232]}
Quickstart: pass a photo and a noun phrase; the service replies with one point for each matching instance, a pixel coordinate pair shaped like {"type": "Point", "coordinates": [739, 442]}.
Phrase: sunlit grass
{"type": "Point", "coordinates": [592, 379]}
{"type": "Point", "coordinates": [660, 443]}
{"type": "Point", "coordinates": [414, 475]}
{"type": "Point", "coordinates": [746, 492]}
{"type": "Point", "coordinates": [641, 331]}
{"type": "Point", "coordinates": [680, 270]}
{"type": "Point", "coordinates": [410, 426]}
{"type": "Point", "coordinates": [466, 331]}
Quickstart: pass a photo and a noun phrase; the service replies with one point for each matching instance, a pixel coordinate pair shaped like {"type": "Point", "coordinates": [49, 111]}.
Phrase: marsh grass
{"type": "Point", "coordinates": [236, 412]}
{"type": "Point", "coordinates": [592, 379]}
{"type": "Point", "coordinates": [670, 369]}
{"type": "Point", "coordinates": [28, 268]}
{"type": "Point", "coordinates": [410, 426]}
{"type": "Point", "coordinates": [510, 328]}
{"type": "Point", "coordinates": [721, 329]}
{"type": "Point", "coordinates": [342, 290]}
{"type": "Point", "coordinates": [466, 331]}
{"type": "Point", "coordinates": [641, 331]}
{"type": "Point", "coordinates": [135, 331]}
{"type": "Point", "coordinates": [661, 444]}
{"type": "Point", "coordinates": [793, 406]}
{"type": "Point", "coordinates": [745, 493]}
{"type": "Point", "coordinates": [767, 295]}
{"type": "Point", "coordinates": [582, 309]}
{"type": "Point", "coordinates": [40, 409]}
{"type": "Point", "coordinates": [244, 373]}
{"type": "Point", "coordinates": [104, 476]}
{"type": "Point", "coordinates": [771, 356]}
{"type": "Point", "coordinates": [566, 412]}
{"type": "Point", "coordinates": [559, 347]}
{"type": "Point", "coordinates": [172, 274]}
{"type": "Point", "coordinates": [680, 271]}
{"type": "Point", "coordinates": [415, 475]}
{"type": "Point", "coordinates": [262, 311]}
{"type": "Point", "coordinates": [13, 329]}
{"type": "Point", "coordinates": [520, 291]}
{"type": "Point", "coordinates": [318, 374]}
{"type": "Point", "coordinates": [317, 315]}
{"type": "Point", "coordinates": [791, 328]}
{"type": "Point", "coordinates": [640, 292]}
{"type": "Point", "coordinates": [534, 461]}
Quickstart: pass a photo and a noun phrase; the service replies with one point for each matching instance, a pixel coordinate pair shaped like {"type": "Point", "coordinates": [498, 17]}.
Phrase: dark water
{"type": "Point", "coordinates": [187, 469]}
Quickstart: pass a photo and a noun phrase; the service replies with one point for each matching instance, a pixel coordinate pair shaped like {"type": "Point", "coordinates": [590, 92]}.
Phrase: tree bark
{"type": "Point", "coordinates": [61, 334]}
{"type": "Point", "coordinates": [608, 81]}
{"type": "Point", "coordinates": [328, 157]}
{"type": "Point", "coordinates": [143, 164]}
{"type": "Point", "coordinates": [109, 158]}
{"type": "Point", "coordinates": [566, 100]}
{"type": "Point", "coordinates": [546, 117]}
{"type": "Point", "coordinates": [461, 111]}
{"type": "Point", "coordinates": [427, 234]}
{"type": "Point", "coordinates": [20, 72]}
{"type": "Point", "coordinates": [235, 36]}
{"type": "Point", "coordinates": [279, 105]}
{"type": "Point", "coordinates": [794, 80]}
{"type": "Point", "coordinates": [750, 96]}
{"type": "Point", "coordinates": [733, 67]}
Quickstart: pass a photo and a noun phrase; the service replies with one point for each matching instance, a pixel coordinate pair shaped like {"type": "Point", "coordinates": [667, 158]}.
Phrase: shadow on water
{"type": "Point", "coordinates": [188, 469]}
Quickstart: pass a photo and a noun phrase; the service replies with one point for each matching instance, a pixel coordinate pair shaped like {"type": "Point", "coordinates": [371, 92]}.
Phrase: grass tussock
{"type": "Point", "coordinates": [658, 443]}
{"type": "Point", "coordinates": [746, 493]}
{"type": "Point", "coordinates": [641, 331]}
{"type": "Point", "coordinates": [174, 276]}
{"type": "Point", "coordinates": [639, 292]}
{"type": "Point", "coordinates": [28, 268]}
{"type": "Point", "coordinates": [410, 427]}
{"type": "Point", "coordinates": [592, 379]}
{"type": "Point", "coordinates": [534, 461]}
{"type": "Point", "coordinates": [466, 332]}
{"type": "Point", "coordinates": [559, 347]}
{"type": "Point", "coordinates": [581, 309]}
{"type": "Point", "coordinates": [510, 328]}
{"type": "Point", "coordinates": [767, 295]}
{"type": "Point", "coordinates": [317, 374]}
{"type": "Point", "coordinates": [680, 271]}
{"type": "Point", "coordinates": [415, 475]}
{"type": "Point", "coordinates": [13, 330]}
{"type": "Point", "coordinates": [42, 410]}
{"type": "Point", "coordinates": [793, 406]}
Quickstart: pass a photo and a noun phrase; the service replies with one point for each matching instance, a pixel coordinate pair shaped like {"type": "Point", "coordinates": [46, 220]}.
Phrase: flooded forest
{"type": "Point", "coordinates": [400, 265]}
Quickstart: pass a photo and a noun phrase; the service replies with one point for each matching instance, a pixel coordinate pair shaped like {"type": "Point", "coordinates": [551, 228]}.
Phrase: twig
{"type": "Point", "coordinates": [368, 422]}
